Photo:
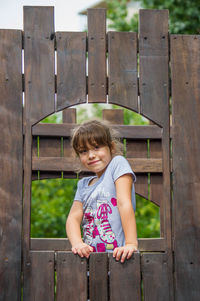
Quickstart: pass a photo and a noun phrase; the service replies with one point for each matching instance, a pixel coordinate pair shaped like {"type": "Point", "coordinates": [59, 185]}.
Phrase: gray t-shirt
{"type": "Point", "coordinates": [102, 228]}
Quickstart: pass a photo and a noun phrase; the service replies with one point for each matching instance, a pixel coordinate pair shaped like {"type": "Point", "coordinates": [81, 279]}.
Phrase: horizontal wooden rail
{"type": "Point", "coordinates": [66, 164]}
{"type": "Point", "coordinates": [63, 244]}
{"type": "Point", "coordinates": [125, 131]}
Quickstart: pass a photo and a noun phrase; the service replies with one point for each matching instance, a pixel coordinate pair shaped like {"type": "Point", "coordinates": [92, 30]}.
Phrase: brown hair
{"type": "Point", "coordinates": [95, 132]}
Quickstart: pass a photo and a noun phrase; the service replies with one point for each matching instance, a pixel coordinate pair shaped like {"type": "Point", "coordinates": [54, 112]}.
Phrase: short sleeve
{"type": "Point", "coordinates": [120, 167]}
{"type": "Point", "coordinates": [78, 192]}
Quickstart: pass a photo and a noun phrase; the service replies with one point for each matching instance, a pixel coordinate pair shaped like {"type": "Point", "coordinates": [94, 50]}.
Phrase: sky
{"type": "Point", "coordinates": [66, 13]}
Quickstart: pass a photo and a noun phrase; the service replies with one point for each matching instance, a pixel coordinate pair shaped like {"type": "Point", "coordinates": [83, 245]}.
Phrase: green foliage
{"type": "Point", "coordinates": [51, 202]}
{"type": "Point", "coordinates": [147, 218]}
{"type": "Point", "coordinates": [117, 12]}
{"type": "Point", "coordinates": [184, 16]}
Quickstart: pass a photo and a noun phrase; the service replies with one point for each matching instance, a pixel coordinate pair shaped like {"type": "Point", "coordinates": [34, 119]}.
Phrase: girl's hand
{"type": "Point", "coordinates": [125, 252]}
{"type": "Point", "coordinates": [82, 249]}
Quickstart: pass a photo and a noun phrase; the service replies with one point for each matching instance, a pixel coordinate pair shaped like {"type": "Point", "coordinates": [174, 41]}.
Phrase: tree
{"type": "Point", "coordinates": [184, 16]}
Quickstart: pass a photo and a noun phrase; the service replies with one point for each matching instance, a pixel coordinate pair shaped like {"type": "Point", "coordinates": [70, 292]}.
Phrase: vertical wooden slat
{"type": "Point", "coordinates": [122, 69]}
{"type": "Point", "coordinates": [71, 277]}
{"type": "Point", "coordinates": [98, 277]}
{"type": "Point", "coordinates": [39, 277]}
{"type": "Point", "coordinates": [154, 94]}
{"type": "Point", "coordinates": [69, 116]}
{"type": "Point", "coordinates": [156, 180]}
{"type": "Point", "coordinates": [185, 64]}
{"type": "Point", "coordinates": [35, 154]}
{"type": "Point", "coordinates": [125, 282]}
{"type": "Point", "coordinates": [39, 63]}
{"type": "Point", "coordinates": [49, 147]}
{"type": "Point", "coordinates": [71, 68]}
{"type": "Point", "coordinates": [138, 149]}
{"type": "Point", "coordinates": [97, 55]}
{"type": "Point", "coordinates": [10, 163]}
{"type": "Point", "coordinates": [153, 50]}
{"type": "Point", "coordinates": [113, 116]}
{"type": "Point", "coordinates": [157, 285]}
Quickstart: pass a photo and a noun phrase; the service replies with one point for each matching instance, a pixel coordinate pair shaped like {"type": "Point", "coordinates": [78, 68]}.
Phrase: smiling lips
{"type": "Point", "coordinates": [93, 162]}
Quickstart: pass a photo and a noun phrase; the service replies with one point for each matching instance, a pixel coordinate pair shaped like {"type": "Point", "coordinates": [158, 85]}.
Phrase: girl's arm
{"type": "Point", "coordinates": [73, 230]}
{"type": "Point", "coordinates": [124, 204]}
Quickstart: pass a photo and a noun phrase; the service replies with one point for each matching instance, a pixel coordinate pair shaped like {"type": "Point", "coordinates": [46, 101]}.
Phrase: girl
{"type": "Point", "coordinates": [103, 203]}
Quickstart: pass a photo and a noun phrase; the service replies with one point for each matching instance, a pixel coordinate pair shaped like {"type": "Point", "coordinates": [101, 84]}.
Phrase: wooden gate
{"type": "Point", "coordinates": [43, 87]}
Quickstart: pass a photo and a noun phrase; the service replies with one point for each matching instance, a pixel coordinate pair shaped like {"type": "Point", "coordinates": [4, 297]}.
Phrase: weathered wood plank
{"type": "Point", "coordinates": [63, 244]}
{"type": "Point", "coordinates": [98, 277]}
{"type": "Point", "coordinates": [71, 277]}
{"type": "Point", "coordinates": [125, 131]}
{"type": "Point", "coordinates": [97, 82]}
{"type": "Point", "coordinates": [39, 63]}
{"type": "Point", "coordinates": [50, 244]}
{"type": "Point", "coordinates": [39, 277]}
{"type": "Point", "coordinates": [69, 164]}
{"type": "Point", "coordinates": [122, 69]}
{"type": "Point", "coordinates": [11, 150]}
{"type": "Point", "coordinates": [157, 277]}
{"type": "Point", "coordinates": [113, 116]}
{"type": "Point", "coordinates": [156, 180]}
{"type": "Point", "coordinates": [69, 116]}
{"type": "Point", "coordinates": [151, 244]}
{"type": "Point", "coordinates": [71, 68]}
{"type": "Point", "coordinates": [125, 282]}
{"type": "Point", "coordinates": [154, 95]}
{"type": "Point", "coordinates": [185, 61]}
{"type": "Point", "coordinates": [138, 149]}
{"type": "Point", "coordinates": [51, 147]}
{"type": "Point", "coordinates": [153, 50]}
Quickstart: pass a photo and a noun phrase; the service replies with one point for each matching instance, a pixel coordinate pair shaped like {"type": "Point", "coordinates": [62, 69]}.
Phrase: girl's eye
{"type": "Point", "coordinates": [83, 151]}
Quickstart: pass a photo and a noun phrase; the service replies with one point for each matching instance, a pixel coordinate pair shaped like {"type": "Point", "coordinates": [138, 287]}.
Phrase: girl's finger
{"type": "Point", "coordinates": [124, 255]}
{"type": "Point", "coordinates": [115, 251]}
{"type": "Point", "coordinates": [119, 253]}
{"type": "Point", "coordinates": [80, 253]}
{"type": "Point", "coordinates": [74, 250]}
{"type": "Point", "coordinates": [130, 253]}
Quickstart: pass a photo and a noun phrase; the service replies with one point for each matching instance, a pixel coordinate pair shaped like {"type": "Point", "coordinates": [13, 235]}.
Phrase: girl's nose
{"type": "Point", "coordinates": [91, 153]}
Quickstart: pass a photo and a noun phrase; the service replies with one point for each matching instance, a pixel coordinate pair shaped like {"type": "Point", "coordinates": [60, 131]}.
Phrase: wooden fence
{"type": "Point", "coordinates": [54, 77]}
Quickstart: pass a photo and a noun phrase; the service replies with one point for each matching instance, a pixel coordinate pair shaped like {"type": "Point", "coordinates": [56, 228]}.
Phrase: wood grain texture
{"type": "Point", "coordinates": [125, 282]}
{"type": "Point", "coordinates": [153, 79]}
{"type": "Point", "coordinates": [69, 116]}
{"type": "Point", "coordinates": [49, 146]}
{"type": "Point", "coordinates": [71, 69]}
{"type": "Point", "coordinates": [50, 244]}
{"type": "Point", "coordinates": [185, 61]}
{"type": "Point", "coordinates": [138, 149]}
{"type": "Point", "coordinates": [39, 63]}
{"type": "Point", "coordinates": [113, 116]}
{"type": "Point", "coordinates": [69, 164]}
{"type": "Point", "coordinates": [156, 180]}
{"type": "Point", "coordinates": [63, 244]}
{"type": "Point", "coordinates": [157, 277]}
{"type": "Point", "coordinates": [97, 82]}
{"type": "Point", "coordinates": [39, 277]}
{"type": "Point", "coordinates": [98, 277]}
{"type": "Point", "coordinates": [125, 131]}
{"type": "Point", "coordinates": [71, 277]}
{"type": "Point", "coordinates": [122, 69]}
{"type": "Point", "coordinates": [11, 151]}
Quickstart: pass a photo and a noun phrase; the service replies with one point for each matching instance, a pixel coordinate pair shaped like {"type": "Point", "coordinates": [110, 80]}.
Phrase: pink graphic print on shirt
{"type": "Point", "coordinates": [88, 231]}
{"type": "Point", "coordinates": [99, 226]}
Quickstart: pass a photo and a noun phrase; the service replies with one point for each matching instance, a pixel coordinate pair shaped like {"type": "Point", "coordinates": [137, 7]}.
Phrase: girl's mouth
{"type": "Point", "coordinates": [93, 162]}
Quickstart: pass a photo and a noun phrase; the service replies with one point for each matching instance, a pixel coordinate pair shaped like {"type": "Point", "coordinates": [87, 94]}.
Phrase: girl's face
{"type": "Point", "coordinates": [95, 159]}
